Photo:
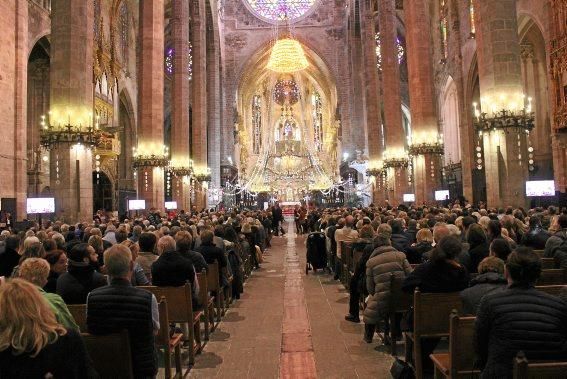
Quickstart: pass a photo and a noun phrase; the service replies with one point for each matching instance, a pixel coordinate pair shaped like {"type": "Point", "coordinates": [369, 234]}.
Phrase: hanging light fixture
{"type": "Point", "coordinates": [287, 56]}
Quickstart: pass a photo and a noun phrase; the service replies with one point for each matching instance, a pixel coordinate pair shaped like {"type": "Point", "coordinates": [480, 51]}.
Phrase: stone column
{"type": "Point", "coordinates": [213, 104]}
{"type": "Point", "coordinates": [371, 85]}
{"type": "Point", "coordinates": [199, 131]}
{"type": "Point", "coordinates": [180, 102]}
{"type": "Point", "coordinates": [500, 75]}
{"type": "Point", "coordinates": [71, 103]}
{"type": "Point", "coordinates": [150, 100]}
{"type": "Point", "coordinates": [422, 97]}
{"type": "Point", "coordinates": [393, 126]}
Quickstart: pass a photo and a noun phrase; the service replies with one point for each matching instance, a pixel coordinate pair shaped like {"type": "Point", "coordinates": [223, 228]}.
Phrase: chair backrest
{"type": "Point", "coordinates": [79, 313]}
{"type": "Point", "coordinates": [400, 301]}
{"type": "Point", "coordinates": [203, 288]}
{"type": "Point", "coordinates": [162, 339]}
{"type": "Point", "coordinates": [432, 312]}
{"type": "Point", "coordinates": [548, 370]}
{"type": "Point", "coordinates": [547, 263]}
{"type": "Point", "coordinates": [461, 337]}
{"type": "Point", "coordinates": [213, 277]}
{"type": "Point", "coordinates": [554, 276]}
{"type": "Point", "coordinates": [180, 308]}
{"type": "Point", "coordinates": [554, 290]}
{"type": "Point", "coordinates": [110, 354]}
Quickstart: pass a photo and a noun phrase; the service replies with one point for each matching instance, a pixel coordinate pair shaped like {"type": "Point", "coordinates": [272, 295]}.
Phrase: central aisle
{"type": "Point", "coordinates": [288, 325]}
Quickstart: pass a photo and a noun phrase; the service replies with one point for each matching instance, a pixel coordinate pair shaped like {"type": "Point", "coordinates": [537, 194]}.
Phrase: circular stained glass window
{"type": "Point", "coordinates": [280, 10]}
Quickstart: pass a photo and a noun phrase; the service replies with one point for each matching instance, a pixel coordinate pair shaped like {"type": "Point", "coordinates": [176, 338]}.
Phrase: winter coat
{"type": "Point", "coordinates": [553, 248]}
{"type": "Point", "coordinates": [481, 285]}
{"type": "Point", "coordinates": [535, 238]}
{"type": "Point", "coordinates": [384, 261]}
{"type": "Point", "coordinates": [519, 319]}
{"type": "Point", "coordinates": [477, 253]}
{"type": "Point", "coordinates": [400, 242]}
{"type": "Point", "coordinates": [437, 277]}
{"type": "Point", "coordinates": [415, 253]}
{"type": "Point", "coordinates": [80, 279]}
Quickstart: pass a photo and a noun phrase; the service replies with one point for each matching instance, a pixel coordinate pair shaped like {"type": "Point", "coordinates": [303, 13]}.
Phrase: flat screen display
{"type": "Point", "coordinates": [540, 188]}
{"type": "Point", "coordinates": [171, 205]}
{"type": "Point", "coordinates": [409, 197]}
{"type": "Point", "coordinates": [134, 205]}
{"type": "Point", "coordinates": [36, 205]}
{"type": "Point", "coordinates": [441, 195]}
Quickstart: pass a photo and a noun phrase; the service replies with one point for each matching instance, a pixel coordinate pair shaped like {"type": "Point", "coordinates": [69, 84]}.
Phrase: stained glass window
{"type": "Point", "coordinates": [471, 17]}
{"type": "Point", "coordinates": [443, 27]}
{"type": "Point", "coordinates": [279, 10]}
{"type": "Point", "coordinates": [399, 46]}
{"type": "Point", "coordinates": [257, 123]}
{"type": "Point", "coordinates": [317, 104]}
{"type": "Point", "coordinates": [124, 32]}
{"type": "Point", "coordinates": [169, 65]}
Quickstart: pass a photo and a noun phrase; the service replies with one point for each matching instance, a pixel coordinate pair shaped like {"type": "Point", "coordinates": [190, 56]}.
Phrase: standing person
{"type": "Point", "coordinates": [32, 343]}
{"type": "Point", "coordinates": [277, 216]}
{"type": "Point", "coordinates": [344, 234]}
{"type": "Point", "coordinates": [519, 318]}
{"type": "Point", "coordinates": [121, 306]}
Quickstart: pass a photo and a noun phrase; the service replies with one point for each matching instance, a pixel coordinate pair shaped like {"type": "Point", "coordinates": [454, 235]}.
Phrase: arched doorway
{"type": "Point", "coordinates": [102, 192]}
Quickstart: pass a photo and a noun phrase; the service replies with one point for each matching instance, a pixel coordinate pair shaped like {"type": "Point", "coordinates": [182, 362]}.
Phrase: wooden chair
{"type": "Point", "coordinates": [539, 252]}
{"type": "Point", "coordinates": [214, 286]}
{"type": "Point", "coordinates": [79, 313]}
{"type": "Point", "coordinates": [208, 304]}
{"type": "Point", "coordinates": [430, 320]}
{"type": "Point", "coordinates": [552, 290]}
{"type": "Point", "coordinates": [180, 310]}
{"type": "Point", "coordinates": [552, 277]}
{"type": "Point", "coordinates": [548, 370]}
{"type": "Point", "coordinates": [110, 354]}
{"type": "Point", "coordinates": [400, 302]}
{"type": "Point", "coordinates": [547, 263]}
{"type": "Point", "coordinates": [459, 361]}
{"type": "Point", "coordinates": [171, 345]}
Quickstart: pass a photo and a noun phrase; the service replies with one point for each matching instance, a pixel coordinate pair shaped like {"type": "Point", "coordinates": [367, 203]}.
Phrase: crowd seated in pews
{"type": "Point", "coordinates": [77, 300]}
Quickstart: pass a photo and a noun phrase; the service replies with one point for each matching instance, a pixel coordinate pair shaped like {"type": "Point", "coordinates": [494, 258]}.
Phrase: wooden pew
{"type": "Point", "coordinates": [171, 345]}
{"type": "Point", "coordinates": [547, 263]}
{"type": "Point", "coordinates": [214, 286]}
{"type": "Point", "coordinates": [539, 252]}
{"type": "Point", "coordinates": [110, 354]}
{"type": "Point", "coordinates": [400, 302]}
{"type": "Point", "coordinates": [548, 370]}
{"type": "Point", "coordinates": [207, 303]}
{"type": "Point", "coordinates": [459, 361]}
{"type": "Point", "coordinates": [79, 313]}
{"type": "Point", "coordinates": [552, 277]}
{"type": "Point", "coordinates": [430, 320]}
{"type": "Point", "coordinates": [552, 290]}
{"type": "Point", "coordinates": [181, 311]}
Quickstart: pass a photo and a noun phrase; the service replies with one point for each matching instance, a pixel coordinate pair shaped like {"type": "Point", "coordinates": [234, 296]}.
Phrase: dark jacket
{"type": "Point", "coordinates": [411, 235]}
{"type": "Point", "coordinates": [415, 253]}
{"type": "Point", "coordinates": [556, 247]}
{"type": "Point", "coordinates": [519, 319]}
{"type": "Point", "coordinates": [197, 259]}
{"type": "Point", "coordinates": [51, 285]}
{"type": "Point", "coordinates": [65, 358]}
{"type": "Point", "coordinates": [477, 253]}
{"type": "Point", "coordinates": [400, 242]}
{"type": "Point", "coordinates": [120, 306]}
{"type": "Point", "coordinates": [437, 277]}
{"type": "Point", "coordinates": [277, 214]}
{"type": "Point", "coordinates": [535, 238]}
{"type": "Point", "coordinates": [8, 260]}
{"type": "Point", "coordinates": [213, 254]}
{"type": "Point", "coordinates": [173, 270]}
{"type": "Point", "coordinates": [481, 285]}
{"type": "Point", "coordinates": [80, 279]}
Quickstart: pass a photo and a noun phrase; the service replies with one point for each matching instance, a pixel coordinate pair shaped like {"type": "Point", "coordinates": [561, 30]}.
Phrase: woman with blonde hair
{"type": "Point", "coordinates": [32, 343]}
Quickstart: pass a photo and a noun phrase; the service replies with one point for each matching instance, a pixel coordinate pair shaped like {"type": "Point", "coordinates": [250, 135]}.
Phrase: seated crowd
{"type": "Point", "coordinates": [103, 266]}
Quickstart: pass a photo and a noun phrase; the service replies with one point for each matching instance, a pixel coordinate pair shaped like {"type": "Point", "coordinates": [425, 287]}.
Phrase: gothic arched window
{"type": "Point", "coordinates": [317, 104]}
{"type": "Point", "coordinates": [471, 17]}
{"type": "Point", "coordinates": [443, 28]}
{"type": "Point", "coordinates": [279, 10]}
{"type": "Point", "coordinates": [169, 65]}
{"type": "Point", "coordinates": [400, 50]}
{"type": "Point", "coordinates": [256, 123]}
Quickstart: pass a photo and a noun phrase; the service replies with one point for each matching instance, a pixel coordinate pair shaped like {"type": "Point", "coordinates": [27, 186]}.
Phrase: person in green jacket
{"type": "Point", "coordinates": [36, 271]}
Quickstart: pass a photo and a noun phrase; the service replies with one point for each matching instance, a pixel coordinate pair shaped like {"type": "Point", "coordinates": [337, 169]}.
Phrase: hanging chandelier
{"type": "Point", "coordinates": [287, 56]}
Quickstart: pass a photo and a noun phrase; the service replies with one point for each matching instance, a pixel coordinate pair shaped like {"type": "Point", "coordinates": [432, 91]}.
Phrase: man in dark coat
{"type": "Point", "coordinates": [400, 241]}
{"type": "Point", "coordinates": [81, 277]}
{"type": "Point", "coordinates": [213, 254]}
{"type": "Point", "coordinates": [536, 236]}
{"type": "Point", "coordinates": [519, 318]}
{"type": "Point", "coordinates": [184, 241]}
{"type": "Point", "coordinates": [277, 217]}
{"type": "Point", "coordinates": [120, 306]}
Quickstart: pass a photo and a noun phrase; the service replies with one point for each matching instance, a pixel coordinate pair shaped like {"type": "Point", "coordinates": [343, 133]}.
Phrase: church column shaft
{"type": "Point", "coordinates": [150, 119]}
{"type": "Point", "coordinates": [500, 78]}
{"type": "Point", "coordinates": [422, 96]}
{"type": "Point", "coordinates": [394, 132]}
{"type": "Point", "coordinates": [71, 102]}
{"type": "Point", "coordinates": [180, 101]}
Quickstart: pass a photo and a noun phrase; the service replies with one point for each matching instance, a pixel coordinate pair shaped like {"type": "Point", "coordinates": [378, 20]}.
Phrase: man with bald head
{"type": "Point", "coordinates": [344, 234]}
